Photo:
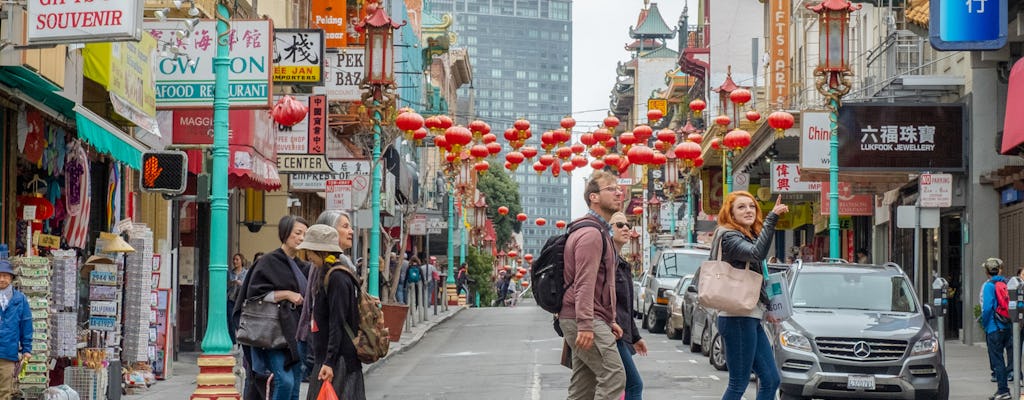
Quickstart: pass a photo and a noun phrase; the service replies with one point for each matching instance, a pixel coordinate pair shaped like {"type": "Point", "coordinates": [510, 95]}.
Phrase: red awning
{"type": "Point", "coordinates": [252, 145]}
{"type": "Point", "coordinates": [1013, 125]}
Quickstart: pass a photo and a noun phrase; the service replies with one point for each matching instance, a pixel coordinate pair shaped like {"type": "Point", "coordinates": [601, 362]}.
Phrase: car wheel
{"type": "Point", "coordinates": [671, 332]}
{"type": "Point", "coordinates": [695, 342]}
{"type": "Point", "coordinates": [643, 321]}
{"type": "Point", "coordinates": [653, 324]}
{"type": "Point", "coordinates": [788, 396]}
{"type": "Point", "coordinates": [686, 334]}
{"type": "Point", "coordinates": [941, 394]}
{"type": "Point", "coordinates": [717, 358]}
{"type": "Point", "coordinates": [705, 341]}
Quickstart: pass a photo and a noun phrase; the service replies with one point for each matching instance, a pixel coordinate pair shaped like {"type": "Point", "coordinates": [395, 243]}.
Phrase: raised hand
{"type": "Point", "coordinates": [780, 208]}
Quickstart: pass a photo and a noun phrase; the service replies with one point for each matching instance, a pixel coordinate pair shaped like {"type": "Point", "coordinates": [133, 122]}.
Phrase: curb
{"type": "Point", "coordinates": [416, 337]}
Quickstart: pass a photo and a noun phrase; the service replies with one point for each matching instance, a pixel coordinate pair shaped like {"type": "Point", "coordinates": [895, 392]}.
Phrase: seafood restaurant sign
{"type": "Point", "coordinates": [82, 21]}
{"type": "Point", "coordinates": [188, 80]}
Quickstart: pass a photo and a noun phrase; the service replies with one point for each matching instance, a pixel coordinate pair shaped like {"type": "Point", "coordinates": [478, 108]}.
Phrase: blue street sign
{"type": "Point", "coordinates": [967, 24]}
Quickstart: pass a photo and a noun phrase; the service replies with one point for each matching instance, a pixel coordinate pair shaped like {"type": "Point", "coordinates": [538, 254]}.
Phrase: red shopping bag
{"type": "Point", "coordinates": [327, 392]}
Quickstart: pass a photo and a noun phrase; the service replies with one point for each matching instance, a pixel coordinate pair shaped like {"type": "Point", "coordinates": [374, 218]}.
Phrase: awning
{"type": "Point", "coordinates": [251, 140]}
{"type": "Point", "coordinates": [247, 169]}
{"type": "Point", "coordinates": [108, 139]}
{"type": "Point", "coordinates": [1013, 125]}
{"type": "Point", "coordinates": [24, 81]}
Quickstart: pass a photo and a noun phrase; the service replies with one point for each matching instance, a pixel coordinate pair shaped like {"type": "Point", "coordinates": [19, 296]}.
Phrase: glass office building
{"type": "Point", "coordinates": [521, 55]}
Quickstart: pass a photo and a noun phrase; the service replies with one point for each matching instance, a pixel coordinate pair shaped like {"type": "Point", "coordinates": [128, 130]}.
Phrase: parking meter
{"type": "Point", "coordinates": [1015, 287]}
{"type": "Point", "coordinates": [940, 291]}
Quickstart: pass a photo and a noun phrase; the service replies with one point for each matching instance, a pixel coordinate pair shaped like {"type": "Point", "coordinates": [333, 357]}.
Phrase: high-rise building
{"type": "Point", "coordinates": [522, 63]}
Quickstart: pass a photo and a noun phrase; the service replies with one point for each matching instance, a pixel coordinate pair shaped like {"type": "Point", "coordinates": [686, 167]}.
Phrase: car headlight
{"type": "Point", "coordinates": [925, 346]}
{"type": "Point", "coordinates": [795, 341]}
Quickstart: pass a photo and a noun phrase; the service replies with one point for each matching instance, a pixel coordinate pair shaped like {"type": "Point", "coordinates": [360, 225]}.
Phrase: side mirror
{"type": "Point", "coordinates": [928, 313]}
{"type": "Point", "coordinates": [669, 293]}
{"type": "Point", "coordinates": [691, 289]}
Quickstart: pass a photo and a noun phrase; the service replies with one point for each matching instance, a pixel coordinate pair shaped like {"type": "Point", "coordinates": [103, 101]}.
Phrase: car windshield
{"type": "Point", "coordinates": [678, 265]}
{"type": "Point", "coordinates": [853, 291]}
{"type": "Point", "coordinates": [683, 283]}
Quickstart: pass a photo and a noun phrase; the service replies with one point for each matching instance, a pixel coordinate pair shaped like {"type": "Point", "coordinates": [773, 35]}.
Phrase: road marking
{"type": "Point", "coordinates": [534, 392]}
{"type": "Point", "coordinates": [460, 354]}
{"type": "Point", "coordinates": [540, 340]}
{"type": "Point", "coordinates": [693, 361]}
{"type": "Point", "coordinates": [713, 377]}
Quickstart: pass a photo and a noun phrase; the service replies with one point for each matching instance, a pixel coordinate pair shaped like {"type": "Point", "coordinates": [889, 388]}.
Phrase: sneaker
{"type": "Point", "coordinates": [1001, 396]}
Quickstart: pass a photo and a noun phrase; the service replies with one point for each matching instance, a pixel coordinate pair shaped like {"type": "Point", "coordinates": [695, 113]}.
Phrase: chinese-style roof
{"type": "Point", "coordinates": [646, 43]}
{"type": "Point", "coordinates": [651, 25]}
{"type": "Point", "coordinates": [378, 19]}
{"type": "Point", "coordinates": [489, 234]}
{"type": "Point", "coordinates": [917, 12]}
{"type": "Point", "coordinates": [728, 86]}
{"type": "Point", "coordinates": [663, 52]}
{"type": "Point", "coordinates": [834, 5]}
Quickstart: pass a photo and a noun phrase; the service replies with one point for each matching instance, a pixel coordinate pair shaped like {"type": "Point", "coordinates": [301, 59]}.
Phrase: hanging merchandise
{"type": "Point", "coordinates": [56, 150]}
{"type": "Point", "coordinates": [137, 295]}
{"type": "Point", "coordinates": [34, 281]}
{"type": "Point", "coordinates": [35, 137]}
{"type": "Point", "coordinates": [113, 196]}
{"type": "Point", "coordinates": [64, 299]}
{"type": "Point", "coordinates": [77, 196]}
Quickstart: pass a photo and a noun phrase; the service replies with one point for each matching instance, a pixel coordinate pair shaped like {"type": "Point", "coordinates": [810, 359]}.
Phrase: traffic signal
{"type": "Point", "coordinates": [164, 172]}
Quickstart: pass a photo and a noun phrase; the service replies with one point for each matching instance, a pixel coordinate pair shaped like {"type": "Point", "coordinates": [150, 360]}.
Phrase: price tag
{"type": "Point", "coordinates": [28, 213]}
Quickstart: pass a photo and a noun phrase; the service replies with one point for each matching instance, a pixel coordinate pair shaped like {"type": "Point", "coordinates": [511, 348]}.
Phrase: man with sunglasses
{"type": "Point", "coordinates": [587, 317]}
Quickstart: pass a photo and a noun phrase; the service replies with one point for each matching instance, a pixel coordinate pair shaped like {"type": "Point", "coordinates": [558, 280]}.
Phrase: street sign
{"type": "Point", "coordinates": [658, 104]}
{"type": "Point", "coordinates": [339, 194]}
{"type": "Point", "coordinates": [968, 25]}
{"type": "Point", "coordinates": [906, 217]}
{"type": "Point", "coordinates": [418, 227]}
{"type": "Point", "coordinates": [936, 190]}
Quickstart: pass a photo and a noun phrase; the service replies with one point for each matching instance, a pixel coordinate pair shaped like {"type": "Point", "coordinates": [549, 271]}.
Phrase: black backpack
{"type": "Point", "coordinates": [546, 273]}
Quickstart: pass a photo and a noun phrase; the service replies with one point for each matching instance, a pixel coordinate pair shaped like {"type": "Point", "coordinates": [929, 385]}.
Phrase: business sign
{"type": "Point", "coordinates": [344, 74]}
{"type": "Point", "coordinates": [331, 17]}
{"type": "Point", "coordinates": [849, 203]}
{"type": "Point", "coordinates": [436, 225]}
{"type": "Point", "coordinates": [299, 56]}
{"type": "Point", "coordinates": [339, 194]}
{"type": "Point", "coordinates": [77, 21]}
{"type": "Point", "coordinates": [967, 24]}
{"type": "Point", "coordinates": [188, 80]}
{"type": "Point", "coordinates": [309, 135]}
{"type": "Point", "coordinates": [132, 86]}
{"type": "Point", "coordinates": [778, 53]}
{"type": "Point", "coordinates": [287, 163]}
{"type": "Point", "coordinates": [815, 134]}
{"type": "Point", "coordinates": [658, 104]}
{"type": "Point", "coordinates": [936, 190]}
{"type": "Point", "coordinates": [886, 136]}
{"type": "Point", "coordinates": [786, 179]}
{"type": "Point", "coordinates": [355, 170]}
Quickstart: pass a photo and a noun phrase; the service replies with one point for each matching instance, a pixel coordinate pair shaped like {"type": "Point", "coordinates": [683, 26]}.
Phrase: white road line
{"type": "Point", "coordinates": [713, 377]}
{"type": "Point", "coordinates": [534, 391]}
{"type": "Point", "coordinates": [693, 361]}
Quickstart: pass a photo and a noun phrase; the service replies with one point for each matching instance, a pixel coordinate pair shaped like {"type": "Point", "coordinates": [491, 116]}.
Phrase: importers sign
{"type": "Point", "coordinates": [188, 80]}
{"type": "Point", "coordinates": [886, 136]}
{"type": "Point", "coordinates": [299, 56]}
{"type": "Point", "coordinates": [82, 21]}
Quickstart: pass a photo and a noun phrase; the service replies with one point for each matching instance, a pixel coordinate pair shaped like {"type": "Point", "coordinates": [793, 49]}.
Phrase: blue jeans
{"type": "Point", "coordinates": [999, 343]}
{"type": "Point", "coordinates": [747, 349]}
{"type": "Point", "coordinates": [307, 361]}
{"type": "Point", "coordinates": [400, 293]}
{"type": "Point", "coordinates": [286, 380]}
{"type": "Point", "coordinates": [634, 384]}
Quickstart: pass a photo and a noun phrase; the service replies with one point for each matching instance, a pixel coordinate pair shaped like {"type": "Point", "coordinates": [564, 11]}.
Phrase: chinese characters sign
{"type": "Point", "coordinates": [967, 24]}
{"type": "Point", "coordinates": [901, 137]}
{"type": "Point", "coordinates": [188, 81]}
{"type": "Point", "coordinates": [786, 179]}
{"type": "Point", "coordinates": [77, 21]}
{"type": "Point", "coordinates": [778, 47]}
{"type": "Point", "coordinates": [309, 135]}
{"type": "Point", "coordinates": [298, 56]}
{"type": "Point", "coordinates": [344, 74]}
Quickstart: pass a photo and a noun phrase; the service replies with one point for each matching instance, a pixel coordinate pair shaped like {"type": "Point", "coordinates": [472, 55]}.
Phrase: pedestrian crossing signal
{"type": "Point", "coordinates": [164, 172]}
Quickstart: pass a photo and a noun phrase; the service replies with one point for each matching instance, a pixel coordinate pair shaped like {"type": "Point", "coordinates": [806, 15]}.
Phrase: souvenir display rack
{"type": "Point", "coordinates": [33, 275]}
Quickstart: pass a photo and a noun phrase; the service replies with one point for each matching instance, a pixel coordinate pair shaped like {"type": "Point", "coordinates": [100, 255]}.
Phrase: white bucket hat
{"type": "Point", "coordinates": [321, 237]}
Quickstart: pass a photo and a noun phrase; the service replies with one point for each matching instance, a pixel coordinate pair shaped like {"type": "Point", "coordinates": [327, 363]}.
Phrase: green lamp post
{"type": "Point", "coordinates": [832, 79]}
{"type": "Point", "coordinates": [378, 97]}
{"type": "Point", "coordinates": [213, 383]}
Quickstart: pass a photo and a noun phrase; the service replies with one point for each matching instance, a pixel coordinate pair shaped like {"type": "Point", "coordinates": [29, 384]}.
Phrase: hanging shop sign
{"type": "Point", "coordinates": [71, 21]}
{"type": "Point", "coordinates": [125, 69]}
{"type": "Point", "coordinates": [778, 53]}
{"type": "Point", "coordinates": [815, 133]}
{"type": "Point", "coordinates": [303, 147]}
{"type": "Point", "coordinates": [344, 74]}
{"type": "Point", "coordinates": [968, 25]}
{"type": "Point", "coordinates": [299, 56]}
{"type": "Point", "coordinates": [188, 80]}
{"type": "Point", "coordinates": [849, 203]}
{"type": "Point", "coordinates": [886, 136]}
{"type": "Point", "coordinates": [786, 179]}
{"type": "Point", "coordinates": [330, 16]}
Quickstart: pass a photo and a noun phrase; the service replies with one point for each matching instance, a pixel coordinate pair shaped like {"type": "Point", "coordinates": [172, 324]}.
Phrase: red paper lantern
{"type": "Point", "coordinates": [568, 123]}
{"type": "Point", "coordinates": [638, 210]}
{"type": "Point", "coordinates": [737, 139]}
{"type": "Point", "coordinates": [529, 151]}
{"type": "Point", "coordinates": [546, 160]}
{"type": "Point", "coordinates": [579, 161]}
{"type": "Point", "coordinates": [642, 133]}
{"type": "Point", "coordinates": [479, 151]}
{"type": "Point", "coordinates": [568, 166]}
{"type": "Point", "coordinates": [528, 257]}
{"type": "Point", "coordinates": [780, 121]}
{"type": "Point", "coordinates": [561, 135]}
{"type": "Point", "coordinates": [753, 116]}
{"type": "Point", "coordinates": [598, 151]}
{"type": "Point", "coordinates": [687, 150]}
{"type": "Point", "coordinates": [611, 122]}
{"type": "Point", "coordinates": [537, 166]}
{"type": "Point", "coordinates": [658, 159]}
{"type": "Point", "coordinates": [697, 106]}
{"type": "Point", "coordinates": [511, 134]}
{"type": "Point", "coordinates": [654, 114]}
{"type": "Point", "coordinates": [560, 224]}
{"type": "Point", "coordinates": [481, 166]}
{"type": "Point", "coordinates": [627, 139]}
{"type": "Point", "coordinates": [521, 124]}
{"type": "Point", "coordinates": [695, 137]}
{"type": "Point", "coordinates": [613, 159]}
{"type": "Point", "coordinates": [288, 111]}
{"type": "Point", "coordinates": [597, 164]}
{"type": "Point", "coordinates": [440, 142]}
{"type": "Point", "coordinates": [723, 120]}
{"type": "Point", "coordinates": [540, 221]}
{"type": "Point", "coordinates": [521, 217]}
{"type": "Point", "coordinates": [444, 122]}
{"type": "Point", "coordinates": [494, 148]}
{"type": "Point", "coordinates": [577, 148]}
{"type": "Point", "coordinates": [503, 210]}
{"type": "Point", "coordinates": [409, 122]}
{"type": "Point", "coordinates": [512, 253]}
{"type": "Point", "coordinates": [515, 158]}
{"type": "Point", "coordinates": [610, 143]}
{"type": "Point", "coordinates": [640, 155]}
{"type": "Point", "coordinates": [420, 134]}
{"type": "Point", "coordinates": [740, 96]}
{"type": "Point", "coordinates": [667, 136]}
{"type": "Point", "coordinates": [716, 144]}
{"type": "Point", "coordinates": [563, 153]}
{"type": "Point", "coordinates": [488, 138]}
{"type": "Point", "coordinates": [588, 139]}
{"type": "Point", "coordinates": [602, 135]}
{"type": "Point", "coordinates": [458, 136]}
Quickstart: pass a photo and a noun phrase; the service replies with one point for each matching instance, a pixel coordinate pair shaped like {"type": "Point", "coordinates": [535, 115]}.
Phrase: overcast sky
{"type": "Point", "coordinates": [600, 31]}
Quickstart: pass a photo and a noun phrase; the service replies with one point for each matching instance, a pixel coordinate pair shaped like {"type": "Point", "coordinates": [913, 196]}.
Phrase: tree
{"type": "Point", "coordinates": [481, 269]}
{"type": "Point", "coordinates": [501, 190]}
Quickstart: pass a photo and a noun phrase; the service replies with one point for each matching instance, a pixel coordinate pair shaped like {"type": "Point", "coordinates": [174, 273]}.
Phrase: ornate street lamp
{"type": "Point", "coordinates": [832, 79]}
{"type": "Point", "coordinates": [378, 97]}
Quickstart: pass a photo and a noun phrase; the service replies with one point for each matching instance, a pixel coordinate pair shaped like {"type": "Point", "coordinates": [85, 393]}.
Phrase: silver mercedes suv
{"type": "Point", "coordinates": [858, 331]}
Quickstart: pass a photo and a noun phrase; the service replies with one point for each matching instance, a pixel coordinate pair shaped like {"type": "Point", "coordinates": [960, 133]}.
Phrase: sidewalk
{"type": "Point", "coordinates": [968, 371]}
{"type": "Point", "coordinates": [185, 369]}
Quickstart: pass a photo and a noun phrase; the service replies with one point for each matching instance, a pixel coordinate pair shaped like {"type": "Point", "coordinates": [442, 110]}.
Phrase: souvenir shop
{"type": "Point", "coordinates": [82, 242]}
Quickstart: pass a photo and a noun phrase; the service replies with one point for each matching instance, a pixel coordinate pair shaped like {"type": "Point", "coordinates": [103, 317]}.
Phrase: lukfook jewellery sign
{"type": "Point", "coordinates": [82, 21]}
{"type": "Point", "coordinates": [188, 80]}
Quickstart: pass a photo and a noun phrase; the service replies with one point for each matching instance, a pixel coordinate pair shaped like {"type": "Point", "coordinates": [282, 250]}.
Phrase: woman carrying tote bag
{"type": "Point", "coordinates": [744, 244]}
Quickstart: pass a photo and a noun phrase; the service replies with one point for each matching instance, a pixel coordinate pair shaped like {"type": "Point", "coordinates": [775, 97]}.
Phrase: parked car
{"type": "Point", "coordinates": [674, 325]}
{"type": "Point", "coordinates": [638, 295]}
{"type": "Point", "coordinates": [858, 331]}
{"type": "Point", "coordinates": [671, 264]}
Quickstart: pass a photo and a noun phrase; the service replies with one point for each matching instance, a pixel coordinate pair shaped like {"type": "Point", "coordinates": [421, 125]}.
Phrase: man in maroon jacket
{"type": "Point", "coordinates": [587, 317]}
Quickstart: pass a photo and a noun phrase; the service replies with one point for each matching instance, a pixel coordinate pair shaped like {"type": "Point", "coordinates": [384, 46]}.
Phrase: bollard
{"type": "Point", "coordinates": [1016, 289]}
{"type": "Point", "coordinates": [939, 292]}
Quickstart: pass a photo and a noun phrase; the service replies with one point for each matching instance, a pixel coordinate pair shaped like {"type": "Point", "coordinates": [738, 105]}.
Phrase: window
{"type": "Point", "coordinates": [496, 73]}
{"type": "Point", "coordinates": [520, 74]}
{"type": "Point", "coordinates": [496, 52]}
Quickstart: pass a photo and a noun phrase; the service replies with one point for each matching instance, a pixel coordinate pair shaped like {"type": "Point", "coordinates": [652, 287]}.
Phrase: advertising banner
{"type": "Point", "coordinates": [299, 56]}
{"type": "Point", "coordinates": [63, 22]}
{"type": "Point", "coordinates": [778, 53]}
{"type": "Point", "coordinates": [188, 80]}
{"type": "Point", "coordinates": [344, 74]}
{"type": "Point", "coordinates": [886, 136]}
{"type": "Point", "coordinates": [814, 139]}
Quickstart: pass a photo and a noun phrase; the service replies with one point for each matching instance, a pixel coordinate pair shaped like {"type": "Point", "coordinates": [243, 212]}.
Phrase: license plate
{"type": "Point", "coordinates": [861, 382]}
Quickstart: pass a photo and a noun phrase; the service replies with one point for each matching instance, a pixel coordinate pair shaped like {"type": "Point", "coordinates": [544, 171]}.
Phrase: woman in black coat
{"type": "Point", "coordinates": [278, 277]}
{"type": "Point", "coordinates": [334, 302]}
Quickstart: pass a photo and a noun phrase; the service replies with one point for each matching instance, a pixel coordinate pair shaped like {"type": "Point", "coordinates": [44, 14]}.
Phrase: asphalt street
{"type": "Point", "coordinates": [513, 353]}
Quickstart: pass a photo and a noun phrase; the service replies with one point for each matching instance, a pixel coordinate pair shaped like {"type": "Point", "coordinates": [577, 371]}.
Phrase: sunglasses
{"type": "Point", "coordinates": [623, 224]}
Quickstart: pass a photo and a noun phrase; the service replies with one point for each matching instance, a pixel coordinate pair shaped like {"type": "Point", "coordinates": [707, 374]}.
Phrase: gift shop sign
{"type": "Point", "coordinates": [188, 80]}
{"type": "Point", "coordinates": [82, 21]}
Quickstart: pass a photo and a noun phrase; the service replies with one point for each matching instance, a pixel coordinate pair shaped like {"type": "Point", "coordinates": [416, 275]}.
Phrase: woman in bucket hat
{"type": "Point", "coordinates": [334, 298]}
